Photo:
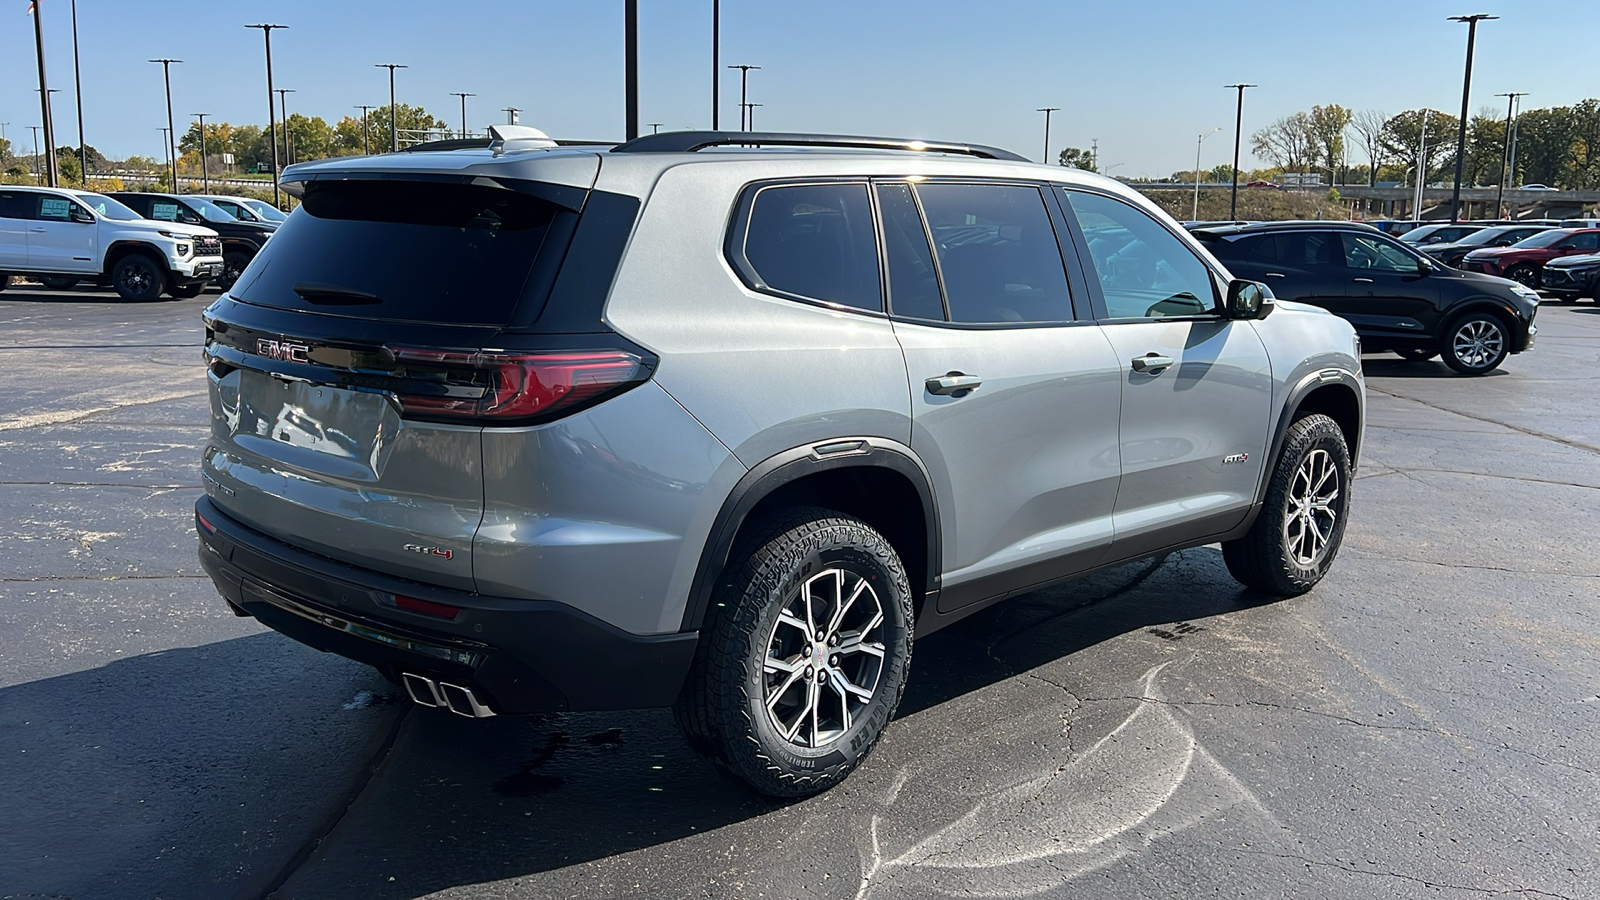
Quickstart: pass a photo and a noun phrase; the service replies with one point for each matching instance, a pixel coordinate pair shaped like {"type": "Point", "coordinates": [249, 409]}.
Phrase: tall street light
{"type": "Point", "coordinates": [283, 110]}
{"type": "Point", "coordinates": [77, 87]}
{"type": "Point", "coordinates": [1238, 124]}
{"type": "Point", "coordinates": [1516, 122]}
{"type": "Point", "coordinates": [751, 112]}
{"type": "Point", "coordinates": [37, 178]}
{"type": "Point", "coordinates": [166, 147]}
{"type": "Point", "coordinates": [630, 68]}
{"type": "Point", "coordinates": [716, 61]}
{"type": "Point", "coordinates": [172, 132]}
{"type": "Point", "coordinates": [44, 97]}
{"type": "Point", "coordinates": [1466, 88]}
{"type": "Point", "coordinates": [1505, 152]}
{"type": "Point", "coordinates": [1047, 110]}
{"type": "Point", "coordinates": [394, 123]}
{"type": "Point", "coordinates": [463, 95]}
{"type": "Point", "coordinates": [272, 122]}
{"type": "Point", "coordinates": [366, 138]}
{"type": "Point", "coordinates": [205, 170]}
{"type": "Point", "coordinates": [744, 84]}
{"type": "Point", "coordinates": [655, 127]}
{"type": "Point", "coordinates": [1195, 215]}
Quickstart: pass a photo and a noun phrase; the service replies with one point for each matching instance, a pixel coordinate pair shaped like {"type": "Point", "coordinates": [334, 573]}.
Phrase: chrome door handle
{"type": "Point", "coordinates": [1152, 363]}
{"type": "Point", "coordinates": [1275, 275]}
{"type": "Point", "coordinates": [1362, 280]}
{"type": "Point", "coordinates": [953, 383]}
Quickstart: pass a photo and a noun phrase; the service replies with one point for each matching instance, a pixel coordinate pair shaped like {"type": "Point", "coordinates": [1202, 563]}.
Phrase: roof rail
{"type": "Point", "coordinates": [691, 141]}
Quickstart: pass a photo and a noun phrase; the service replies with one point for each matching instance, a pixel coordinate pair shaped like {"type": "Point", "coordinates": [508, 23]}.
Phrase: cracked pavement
{"type": "Point", "coordinates": [1425, 723]}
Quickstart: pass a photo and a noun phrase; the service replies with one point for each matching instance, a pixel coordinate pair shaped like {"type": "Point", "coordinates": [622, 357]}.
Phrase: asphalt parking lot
{"type": "Point", "coordinates": [1424, 724]}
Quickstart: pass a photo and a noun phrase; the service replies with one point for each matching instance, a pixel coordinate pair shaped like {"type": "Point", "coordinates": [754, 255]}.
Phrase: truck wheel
{"type": "Point", "coordinates": [137, 277]}
{"type": "Point", "coordinates": [1297, 534]}
{"type": "Point", "coordinates": [803, 662]}
{"type": "Point", "coordinates": [188, 291]}
{"type": "Point", "coordinates": [58, 282]}
{"type": "Point", "coordinates": [233, 265]}
{"type": "Point", "coordinates": [1476, 343]}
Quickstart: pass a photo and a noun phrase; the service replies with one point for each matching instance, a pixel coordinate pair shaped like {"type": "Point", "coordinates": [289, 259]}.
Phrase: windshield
{"type": "Point", "coordinates": [208, 210]}
{"type": "Point", "coordinates": [1487, 235]}
{"type": "Point", "coordinates": [1542, 239]}
{"type": "Point", "coordinates": [1417, 235]}
{"type": "Point", "coordinates": [108, 207]}
{"type": "Point", "coordinates": [266, 210]}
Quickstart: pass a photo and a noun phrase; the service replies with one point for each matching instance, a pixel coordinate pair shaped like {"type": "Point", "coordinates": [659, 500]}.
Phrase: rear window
{"type": "Point", "coordinates": [416, 251]}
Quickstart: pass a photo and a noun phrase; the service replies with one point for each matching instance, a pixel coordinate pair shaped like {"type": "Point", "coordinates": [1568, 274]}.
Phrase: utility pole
{"type": "Point", "coordinates": [172, 132]}
{"type": "Point", "coordinates": [1238, 125]}
{"type": "Point", "coordinates": [1195, 214]}
{"type": "Point", "coordinates": [716, 61]}
{"type": "Point", "coordinates": [744, 84]}
{"type": "Point", "coordinates": [394, 123]}
{"type": "Point", "coordinates": [166, 147]}
{"type": "Point", "coordinates": [1466, 88]}
{"type": "Point", "coordinates": [44, 98]}
{"type": "Point", "coordinates": [1516, 123]}
{"type": "Point", "coordinates": [1047, 110]}
{"type": "Point", "coordinates": [1422, 168]}
{"type": "Point", "coordinates": [630, 69]}
{"type": "Point", "coordinates": [77, 87]}
{"type": "Point", "coordinates": [205, 169]}
{"type": "Point", "coordinates": [288, 140]}
{"type": "Point", "coordinates": [463, 95]}
{"type": "Point", "coordinates": [272, 124]}
{"type": "Point", "coordinates": [366, 138]}
{"type": "Point", "coordinates": [1505, 152]}
{"type": "Point", "coordinates": [37, 178]}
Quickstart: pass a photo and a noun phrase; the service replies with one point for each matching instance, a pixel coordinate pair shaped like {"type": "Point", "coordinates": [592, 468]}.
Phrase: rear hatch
{"type": "Point", "coordinates": [355, 364]}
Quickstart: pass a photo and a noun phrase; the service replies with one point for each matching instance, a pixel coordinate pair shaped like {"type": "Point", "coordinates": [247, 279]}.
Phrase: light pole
{"type": "Point", "coordinates": [1466, 88]}
{"type": "Point", "coordinates": [655, 127]}
{"type": "Point", "coordinates": [205, 170]}
{"type": "Point", "coordinates": [744, 84]}
{"type": "Point", "coordinates": [172, 132]}
{"type": "Point", "coordinates": [752, 114]}
{"type": "Point", "coordinates": [272, 124]}
{"type": "Point", "coordinates": [77, 88]}
{"type": "Point", "coordinates": [37, 178]}
{"type": "Point", "coordinates": [366, 139]}
{"type": "Point", "coordinates": [166, 147]}
{"type": "Point", "coordinates": [1047, 110]}
{"type": "Point", "coordinates": [1195, 215]}
{"type": "Point", "coordinates": [283, 110]}
{"type": "Point", "coordinates": [1238, 124]}
{"type": "Point", "coordinates": [631, 68]}
{"type": "Point", "coordinates": [716, 61]}
{"type": "Point", "coordinates": [1516, 123]}
{"type": "Point", "coordinates": [1505, 152]}
{"type": "Point", "coordinates": [1422, 168]}
{"type": "Point", "coordinates": [463, 95]}
{"type": "Point", "coordinates": [511, 114]}
{"type": "Point", "coordinates": [44, 97]}
{"type": "Point", "coordinates": [394, 123]}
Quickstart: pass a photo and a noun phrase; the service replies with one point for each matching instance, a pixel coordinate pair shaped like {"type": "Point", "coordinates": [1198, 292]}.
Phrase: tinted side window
{"type": "Point", "coordinates": [1366, 251]}
{"type": "Point", "coordinates": [1300, 249]}
{"type": "Point", "coordinates": [816, 241]}
{"type": "Point", "coordinates": [913, 281]}
{"type": "Point", "coordinates": [997, 252]}
{"type": "Point", "coordinates": [1144, 270]}
{"type": "Point", "coordinates": [138, 204]}
{"type": "Point", "coordinates": [1588, 240]}
{"type": "Point", "coordinates": [16, 205]}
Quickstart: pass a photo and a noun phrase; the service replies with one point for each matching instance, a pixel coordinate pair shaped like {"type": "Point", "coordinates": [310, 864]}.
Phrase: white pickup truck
{"type": "Point", "coordinates": [64, 236]}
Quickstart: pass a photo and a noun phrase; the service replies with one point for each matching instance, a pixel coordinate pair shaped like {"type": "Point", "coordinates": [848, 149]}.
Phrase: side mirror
{"type": "Point", "coordinates": [1247, 300]}
{"type": "Point", "coordinates": [82, 216]}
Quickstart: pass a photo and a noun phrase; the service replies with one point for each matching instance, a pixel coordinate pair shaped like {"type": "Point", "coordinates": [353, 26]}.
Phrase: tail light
{"type": "Point", "coordinates": [504, 388]}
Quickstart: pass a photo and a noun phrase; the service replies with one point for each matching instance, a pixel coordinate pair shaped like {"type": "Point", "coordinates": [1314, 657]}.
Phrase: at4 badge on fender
{"type": "Point", "coordinates": [430, 551]}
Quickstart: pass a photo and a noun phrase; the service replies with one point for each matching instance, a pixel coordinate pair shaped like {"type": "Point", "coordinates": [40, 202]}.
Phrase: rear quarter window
{"type": "Point", "coordinates": [812, 241]}
{"type": "Point", "coordinates": [417, 251]}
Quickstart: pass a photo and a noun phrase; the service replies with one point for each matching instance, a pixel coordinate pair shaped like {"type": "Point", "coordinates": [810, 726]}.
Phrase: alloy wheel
{"type": "Point", "coordinates": [825, 656]}
{"type": "Point", "coordinates": [1313, 511]}
{"type": "Point", "coordinates": [1478, 342]}
{"type": "Point", "coordinates": [136, 278]}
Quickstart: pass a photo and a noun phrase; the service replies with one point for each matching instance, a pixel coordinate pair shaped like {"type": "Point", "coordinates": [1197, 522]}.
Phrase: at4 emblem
{"type": "Point", "coordinates": [431, 551]}
{"type": "Point", "coordinates": [1236, 459]}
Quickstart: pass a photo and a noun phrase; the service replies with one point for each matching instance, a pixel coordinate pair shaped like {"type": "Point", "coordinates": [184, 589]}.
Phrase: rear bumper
{"type": "Point", "coordinates": [521, 656]}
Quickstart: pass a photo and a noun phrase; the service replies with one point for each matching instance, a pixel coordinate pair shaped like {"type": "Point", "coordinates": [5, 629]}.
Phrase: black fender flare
{"type": "Point", "coordinates": [118, 249]}
{"type": "Point", "coordinates": [1302, 389]}
{"type": "Point", "coordinates": [789, 466]}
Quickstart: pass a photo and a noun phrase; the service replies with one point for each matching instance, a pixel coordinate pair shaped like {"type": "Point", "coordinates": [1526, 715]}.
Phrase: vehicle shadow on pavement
{"type": "Point", "coordinates": [463, 802]}
{"type": "Point", "coordinates": [1432, 368]}
{"type": "Point", "coordinates": [35, 294]}
{"type": "Point", "coordinates": [191, 772]}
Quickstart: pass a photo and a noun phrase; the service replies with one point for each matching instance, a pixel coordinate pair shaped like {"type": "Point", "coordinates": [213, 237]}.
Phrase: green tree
{"type": "Point", "coordinates": [1402, 135]}
{"type": "Point", "coordinates": [416, 125]}
{"type": "Point", "coordinates": [68, 165]}
{"type": "Point", "coordinates": [1075, 158]}
{"type": "Point", "coordinates": [1325, 127]}
{"type": "Point", "coordinates": [1286, 142]}
{"type": "Point", "coordinates": [308, 138]}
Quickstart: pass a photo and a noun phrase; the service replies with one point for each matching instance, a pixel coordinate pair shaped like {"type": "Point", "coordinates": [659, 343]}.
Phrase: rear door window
{"type": "Point", "coordinates": [413, 251]}
{"type": "Point", "coordinates": [814, 241]}
{"type": "Point", "coordinates": [998, 253]}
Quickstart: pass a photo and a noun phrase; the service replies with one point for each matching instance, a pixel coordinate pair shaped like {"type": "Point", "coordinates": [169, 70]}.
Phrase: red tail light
{"type": "Point", "coordinates": [427, 607]}
{"type": "Point", "coordinates": [505, 387]}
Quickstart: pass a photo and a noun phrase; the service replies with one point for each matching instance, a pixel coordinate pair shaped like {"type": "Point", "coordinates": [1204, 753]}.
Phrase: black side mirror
{"type": "Point", "coordinates": [81, 215]}
{"type": "Point", "coordinates": [1247, 300]}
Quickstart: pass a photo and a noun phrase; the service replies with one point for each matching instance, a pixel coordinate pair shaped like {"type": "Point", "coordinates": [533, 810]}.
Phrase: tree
{"type": "Point", "coordinates": [416, 125]}
{"type": "Point", "coordinates": [68, 165]}
{"type": "Point", "coordinates": [1074, 158]}
{"type": "Point", "coordinates": [1325, 127]}
{"type": "Point", "coordinates": [1368, 125]}
{"type": "Point", "coordinates": [1220, 173]}
{"type": "Point", "coordinates": [1402, 134]}
{"type": "Point", "coordinates": [1287, 142]}
{"type": "Point", "coordinates": [309, 138]}
{"type": "Point", "coordinates": [5, 149]}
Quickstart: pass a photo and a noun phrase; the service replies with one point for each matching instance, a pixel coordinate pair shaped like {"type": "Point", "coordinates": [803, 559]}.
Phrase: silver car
{"type": "Point", "coordinates": [721, 428]}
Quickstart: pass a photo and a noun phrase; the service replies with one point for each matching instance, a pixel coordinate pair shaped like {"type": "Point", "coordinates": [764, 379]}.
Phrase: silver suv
{"type": "Point", "coordinates": [674, 423]}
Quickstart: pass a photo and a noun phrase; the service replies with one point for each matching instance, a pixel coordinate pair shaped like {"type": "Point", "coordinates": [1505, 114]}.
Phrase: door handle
{"type": "Point", "coordinates": [953, 383]}
{"type": "Point", "coordinates": [1362, 280]}
{"type": "Point", "coordinates": [1152, 363]}
{"type": "Point", "coordinates": [1275, 275]}
{"type": "Point", "coordinates": [37, 230]}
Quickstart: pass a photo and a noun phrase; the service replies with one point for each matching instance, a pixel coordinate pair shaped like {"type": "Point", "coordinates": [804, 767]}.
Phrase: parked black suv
{"type": "Point", "coordinates": [1397, 298]}
{"type": "Point", "coordinates": [240, 240]}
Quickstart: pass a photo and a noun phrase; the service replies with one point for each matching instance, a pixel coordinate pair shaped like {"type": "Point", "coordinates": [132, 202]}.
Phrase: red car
{"type": "Point", "coordinates": [1524, 260]}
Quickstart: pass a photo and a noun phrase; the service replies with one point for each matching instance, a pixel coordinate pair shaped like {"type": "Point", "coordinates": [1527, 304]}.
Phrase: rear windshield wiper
{"type": "Point", "coordinates": [318, 292]}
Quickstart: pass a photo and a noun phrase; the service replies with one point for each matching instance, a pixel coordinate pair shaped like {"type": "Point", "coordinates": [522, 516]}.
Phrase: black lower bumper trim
{"type": "Point", "coordinates": [523, 656]}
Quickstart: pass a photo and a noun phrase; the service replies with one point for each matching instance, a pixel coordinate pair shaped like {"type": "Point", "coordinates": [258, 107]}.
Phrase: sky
{"type": "Point", "coordinates": [1144, 77]}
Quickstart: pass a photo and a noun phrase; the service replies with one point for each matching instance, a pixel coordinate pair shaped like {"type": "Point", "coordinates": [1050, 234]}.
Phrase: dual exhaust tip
{"type": "Point", "coordinates": [459, 700]}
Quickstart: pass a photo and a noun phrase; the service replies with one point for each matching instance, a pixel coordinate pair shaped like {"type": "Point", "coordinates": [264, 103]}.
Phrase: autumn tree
{"type": "Point", "coordinates": [1076, 158]}
{"type": "Point", "coordinates": [1368, 126]}
{"type": "Point", "coordinates": [1286, 143]}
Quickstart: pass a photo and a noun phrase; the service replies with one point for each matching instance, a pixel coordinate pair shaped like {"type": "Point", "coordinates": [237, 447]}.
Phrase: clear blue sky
{"type": "Point", "coordinates": [1145, 77]}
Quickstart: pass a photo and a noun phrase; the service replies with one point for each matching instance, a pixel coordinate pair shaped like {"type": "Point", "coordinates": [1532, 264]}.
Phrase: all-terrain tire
{"type": "Point", "coordinates": [1294, 540]}
{"type": "Point", "coordinates": [756, 671]}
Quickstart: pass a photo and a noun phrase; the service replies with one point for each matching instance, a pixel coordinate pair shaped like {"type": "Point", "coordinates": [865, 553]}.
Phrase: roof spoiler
{"type": "Point", "coordinates": [691, 141]}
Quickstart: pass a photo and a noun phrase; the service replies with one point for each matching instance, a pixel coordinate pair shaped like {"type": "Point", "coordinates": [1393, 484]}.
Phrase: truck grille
{"type": "Point", "coordinates": [207, 246]}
